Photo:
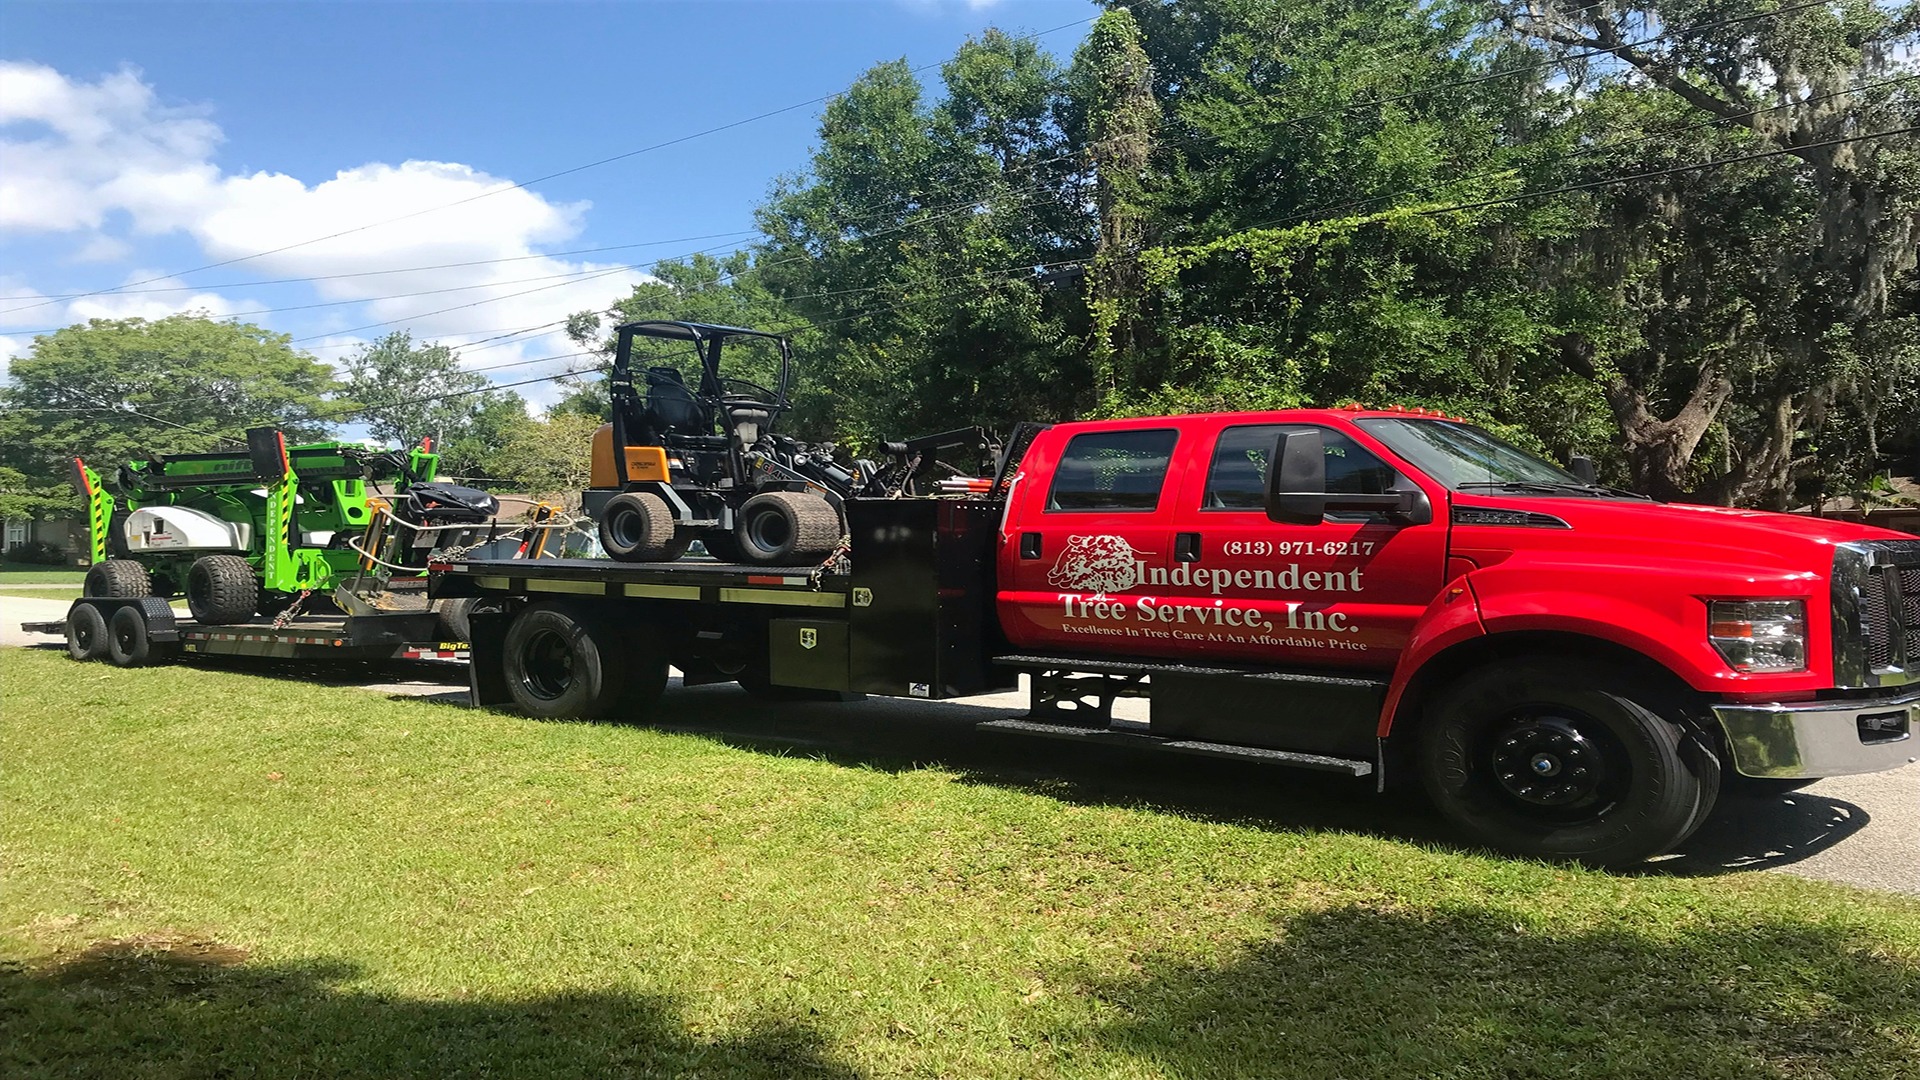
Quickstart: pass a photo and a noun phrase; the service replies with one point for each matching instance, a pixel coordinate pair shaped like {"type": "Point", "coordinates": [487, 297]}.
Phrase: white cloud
{"type": "Point", "coordinates": [66, 142]}
{"type": "Point", "coordinates": [155, 305]}
{"type": "Point", "coordinates": [79, 152]}
{"type": "Point", "coordinates": [102, 248]}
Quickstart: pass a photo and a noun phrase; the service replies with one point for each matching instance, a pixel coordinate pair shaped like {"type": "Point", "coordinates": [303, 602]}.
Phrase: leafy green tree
{"type": "Point", "coordinates": [550, 457]}
{"type": "Point", "coordinates": [405, 392]}
{"type": "Point", "coordinates": [117, 389]}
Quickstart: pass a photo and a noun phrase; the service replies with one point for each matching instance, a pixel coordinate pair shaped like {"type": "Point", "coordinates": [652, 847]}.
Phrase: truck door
{"type": "Point", "coordinates": [1085, 538]}
{"type": "Point", "coordinates": [1343, 593]}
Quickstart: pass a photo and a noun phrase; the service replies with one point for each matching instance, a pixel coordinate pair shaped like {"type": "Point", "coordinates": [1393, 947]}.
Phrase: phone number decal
{"type": "Point", "coordinates": [1298, 547]}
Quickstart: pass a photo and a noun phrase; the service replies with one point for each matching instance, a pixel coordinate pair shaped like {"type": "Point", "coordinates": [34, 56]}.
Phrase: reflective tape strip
{"type": "Point", "coordinates": [492, 582]}
{"type": "Point", "coordinates": [591, 588]}
{"type": "Point", "coordinates": [664, 592]}
{"type": "Point", "coordinates": [775, 579]}
{"type": "Point", "coordinates": [790, 599]}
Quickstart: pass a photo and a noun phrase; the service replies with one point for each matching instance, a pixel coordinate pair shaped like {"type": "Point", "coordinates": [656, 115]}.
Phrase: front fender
{"type": "Point", "coordinates": [1656, 609]}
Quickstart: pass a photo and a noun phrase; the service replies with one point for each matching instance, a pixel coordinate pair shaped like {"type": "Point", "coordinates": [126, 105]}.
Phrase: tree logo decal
{"type": "Point", "coordinates": [1097, 565]}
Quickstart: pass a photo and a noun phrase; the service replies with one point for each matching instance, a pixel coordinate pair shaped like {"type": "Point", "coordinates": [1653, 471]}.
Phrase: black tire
{"type": "Point", "coordinates": [117, 577]}
{"type": "Point", "coordinates": [86, 633]}
{"type": "Point", "coordinates": [787, 528]}
{"type": "Point", "coordinates": [561, 662]}
{"type": "Point", "coordinates": [637, 526]}
{"type": "Point", "coordinates": [455, 621]}
{"type": "Point", "coordinates": [1630, 779]}
{"type": "Point", "coordinates": [127, 643]}
{"type": "Point", "coordinates": [222, 590]}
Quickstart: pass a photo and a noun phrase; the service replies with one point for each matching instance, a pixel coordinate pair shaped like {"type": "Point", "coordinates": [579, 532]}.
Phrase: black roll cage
{"type": "Point", "coordinates": [708, 341]}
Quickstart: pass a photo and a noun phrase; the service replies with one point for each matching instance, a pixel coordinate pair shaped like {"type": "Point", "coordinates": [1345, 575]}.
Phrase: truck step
{"type": "Point", "coordinates": [1321, 762]}
{"type": "Point", "coordinates": [1174, 667]}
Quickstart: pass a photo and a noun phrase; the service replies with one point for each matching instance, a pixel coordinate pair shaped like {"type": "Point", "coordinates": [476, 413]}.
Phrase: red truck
{"type": "Point", "coordinates": [1569, 671]}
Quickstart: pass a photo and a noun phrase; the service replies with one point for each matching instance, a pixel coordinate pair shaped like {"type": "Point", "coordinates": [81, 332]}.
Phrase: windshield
{"type": "Point", "coordinates": [1461, 455]}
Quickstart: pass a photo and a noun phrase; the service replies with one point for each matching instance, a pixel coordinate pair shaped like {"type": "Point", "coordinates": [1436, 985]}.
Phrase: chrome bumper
{"type": "Point", "coordinates": [1822, 738]}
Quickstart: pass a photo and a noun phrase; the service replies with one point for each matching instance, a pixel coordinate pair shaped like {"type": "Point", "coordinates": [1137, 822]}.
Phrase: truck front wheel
{"type": "Point", "coordinates": [1563, 761]}
{"type": "Point", "coordinates": [562, 662]}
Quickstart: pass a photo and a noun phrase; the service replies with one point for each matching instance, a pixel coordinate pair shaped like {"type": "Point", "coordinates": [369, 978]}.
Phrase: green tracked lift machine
{"type": "Point", "coordinates": [241, 532]}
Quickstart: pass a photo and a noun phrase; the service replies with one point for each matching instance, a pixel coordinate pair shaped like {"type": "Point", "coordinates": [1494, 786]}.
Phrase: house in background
{"type": "Point", "coordinates": [68, 534]}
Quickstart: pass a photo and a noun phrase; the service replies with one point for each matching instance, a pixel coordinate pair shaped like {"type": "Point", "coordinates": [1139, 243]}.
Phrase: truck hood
{"type": "Point", "coordinates": [1750, 538]}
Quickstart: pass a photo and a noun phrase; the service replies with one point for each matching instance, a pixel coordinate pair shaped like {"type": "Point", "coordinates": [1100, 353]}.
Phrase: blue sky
{"type": "Point", "coordinates": [140, 140]}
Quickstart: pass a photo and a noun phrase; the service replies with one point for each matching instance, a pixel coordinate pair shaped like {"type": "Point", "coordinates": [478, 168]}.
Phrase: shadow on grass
{"type": "Point", "coordinates": [193, 1009]}
{"type": "Point", "coordinates": [1359, 993]}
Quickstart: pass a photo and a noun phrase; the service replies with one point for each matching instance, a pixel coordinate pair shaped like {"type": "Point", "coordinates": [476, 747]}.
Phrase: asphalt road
{"type": "Point", "coordinates": [1859, 830]}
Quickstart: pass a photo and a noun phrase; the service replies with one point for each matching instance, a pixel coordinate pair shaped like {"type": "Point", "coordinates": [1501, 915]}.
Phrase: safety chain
{"type": "Point", "coordinates": [291, 611]}
{"type": "Point", "coordinates": [836, 562]}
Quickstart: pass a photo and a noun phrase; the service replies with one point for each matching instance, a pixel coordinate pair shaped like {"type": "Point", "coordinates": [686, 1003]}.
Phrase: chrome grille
{"type": "Point", "coordinates": [1876, 613]}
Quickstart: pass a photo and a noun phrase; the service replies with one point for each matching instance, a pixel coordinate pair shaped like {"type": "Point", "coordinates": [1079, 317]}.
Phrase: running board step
{"type": "Point", "coordinates": [1348, 766]}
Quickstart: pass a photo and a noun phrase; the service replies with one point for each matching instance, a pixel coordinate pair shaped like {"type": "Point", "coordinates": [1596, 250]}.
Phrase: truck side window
{"type": "Point", "coordinates": [1237, 479]}
{"type": "Point", "coordinates": [1112, 470]}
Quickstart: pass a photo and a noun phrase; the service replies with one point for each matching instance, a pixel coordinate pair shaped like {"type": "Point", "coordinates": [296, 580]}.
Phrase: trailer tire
{"type": "Point", "coordinates": [222, 590]}
{"type": "Point", "coordinates": [637, 526]}
{"type": "Point", "coordinates": [86, 633]}
{"type": "Point", "coordinates": [1567, 762]}
{"type": "Point", "coordinates": [118, 578]}
{"type": "Point", "coordinates": [454, 618]}
{"type": "Point", "coordinates": [787, 528]}
{"type": "Point", "coordinates": [127, 642]}
{"type": "Point", "coordinates": [560, 662]}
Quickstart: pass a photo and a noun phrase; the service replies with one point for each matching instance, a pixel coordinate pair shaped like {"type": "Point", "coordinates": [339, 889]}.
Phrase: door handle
{"type": "Point", "coordinates": [1186, 547]}
{"type": "Point", "coordinates": [1029, 545]}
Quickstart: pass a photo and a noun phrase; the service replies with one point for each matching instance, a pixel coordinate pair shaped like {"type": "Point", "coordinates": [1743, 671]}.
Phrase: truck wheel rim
{"type": "Point", "coordinates": [548, 668]}
{"type": "Point", "coordinates": [124, 639]}
{"type": "Point", "coordinates": [1559, 762]}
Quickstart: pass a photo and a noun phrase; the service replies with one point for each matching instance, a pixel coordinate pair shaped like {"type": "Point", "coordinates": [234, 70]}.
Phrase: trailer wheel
{"type": "Point", "coordinates": [787, 528]}
{"type": "Point", "coordinates": [222, 590]}
{"type": "Point", "coordinates": [1566, 762]}
{"type": "Point", "coordinates": [455, 625]}
{"type": "Point", "coordinates": [561, 663]}
{"type": "Point", "coordinates": [86, 633]}
{"type": "Point", "coordinates": [117, 577]}
{"type": "Point", "coordinates": [127, 643]}
{"type": "Point", "coordinates": [637, 526]}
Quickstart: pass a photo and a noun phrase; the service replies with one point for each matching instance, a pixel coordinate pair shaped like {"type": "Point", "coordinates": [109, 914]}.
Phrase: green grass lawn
{"type": "Point", "coordinates": [32, 574]}
{"type": "Point", "coordinates": [209, 873]}
{"type": "Point", "coordinates": [51, 592]}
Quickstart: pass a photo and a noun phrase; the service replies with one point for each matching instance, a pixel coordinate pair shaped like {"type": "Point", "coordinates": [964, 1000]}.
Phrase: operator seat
{"type": "Point", "coordinates": [672, 408]}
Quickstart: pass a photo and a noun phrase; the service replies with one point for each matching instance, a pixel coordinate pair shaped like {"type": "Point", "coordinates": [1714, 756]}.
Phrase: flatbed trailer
{"type": "Point", "coordinates": [146, 630]}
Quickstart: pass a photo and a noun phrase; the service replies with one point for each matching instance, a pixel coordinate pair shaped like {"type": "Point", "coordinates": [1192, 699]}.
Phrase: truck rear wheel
{"type": "Point", "coordinates": [563, 662]}
{"type": "Point", "coordinates": [787, 528]}
{"type": "Point", "coordinates": [222, 590]}
{"type": "Point", "coordinates": [1559, 761]}
{"type": "Point", "coordinates": [117, 577]}
{"type": "Point", "coordinates": [86, 633]}
{"type": "Point", "coordinates": [637, 526]}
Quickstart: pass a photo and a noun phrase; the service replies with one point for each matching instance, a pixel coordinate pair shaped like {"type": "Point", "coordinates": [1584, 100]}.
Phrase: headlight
{"type": "Point", "coordinates": [1759, 635]}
